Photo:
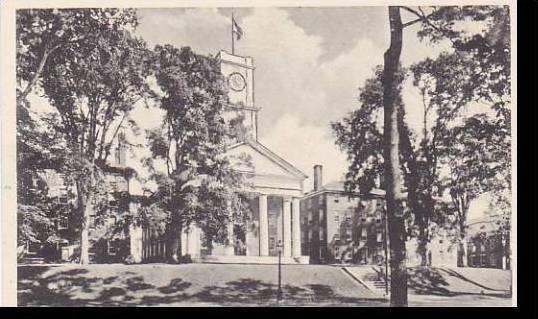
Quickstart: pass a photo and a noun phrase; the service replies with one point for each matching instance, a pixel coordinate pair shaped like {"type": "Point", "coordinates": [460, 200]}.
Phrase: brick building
{"type": "Point", "coordinates": [341, 228]}
{"type": "Point", "coordinates": [108, 240]}
{"type": "Point", "coordinates": [487, 245]}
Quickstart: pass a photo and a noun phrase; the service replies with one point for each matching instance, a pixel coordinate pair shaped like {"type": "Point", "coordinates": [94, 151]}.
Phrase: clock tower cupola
{"type": "Point", "coordinates": [239, 74]}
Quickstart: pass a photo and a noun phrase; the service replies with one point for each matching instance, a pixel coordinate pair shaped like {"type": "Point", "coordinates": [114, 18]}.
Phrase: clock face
{"type": "Point", "coordinates": [237, 82]}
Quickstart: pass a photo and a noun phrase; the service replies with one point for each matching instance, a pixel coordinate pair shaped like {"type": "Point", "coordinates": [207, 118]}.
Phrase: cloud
{"type": "Point", "coordinates": [290, 79]}
{"type": "Point", "coordinates": [299, 95]}
{"type": "Point", "coordinates": [305, 145]}
{"type": "Point", "coordinates": [202, 28]}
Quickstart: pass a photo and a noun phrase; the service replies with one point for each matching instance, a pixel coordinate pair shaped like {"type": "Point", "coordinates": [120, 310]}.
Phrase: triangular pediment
{"type": "Point", "coordinates": [262, 161]}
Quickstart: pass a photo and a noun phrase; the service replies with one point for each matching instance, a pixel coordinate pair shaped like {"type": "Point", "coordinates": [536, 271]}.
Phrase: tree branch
{"type": "Point", "coordinates": [38, 72]}
{"type": "Point", "coordinates": [425, 18]}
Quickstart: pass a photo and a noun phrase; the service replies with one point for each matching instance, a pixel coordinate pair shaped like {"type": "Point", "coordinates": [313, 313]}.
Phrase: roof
{"type": "Point", "coordinates": [339, 187]}
{"type": "Point", "coordinates": [263, 150]}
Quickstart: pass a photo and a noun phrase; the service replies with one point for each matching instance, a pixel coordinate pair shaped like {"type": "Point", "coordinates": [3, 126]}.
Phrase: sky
{"type": "Point", "coordinates": [310, 63]}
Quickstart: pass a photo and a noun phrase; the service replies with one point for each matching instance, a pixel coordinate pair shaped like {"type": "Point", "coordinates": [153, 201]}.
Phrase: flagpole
{"type": "Point", "coordinates": [233, 49]}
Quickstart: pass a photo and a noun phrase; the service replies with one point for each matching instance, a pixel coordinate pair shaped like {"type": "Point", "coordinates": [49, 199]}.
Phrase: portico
{"type": "Point", "coordinates": [275, 185]}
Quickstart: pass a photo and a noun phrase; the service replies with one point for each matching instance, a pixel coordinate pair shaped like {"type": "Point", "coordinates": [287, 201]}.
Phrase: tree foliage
{"type": "Point", "coordinates": [476, 71]}
{"type": "Point", "coordinates": [199, 186]}
{"type": "Point", "coordinates": [92, 71]}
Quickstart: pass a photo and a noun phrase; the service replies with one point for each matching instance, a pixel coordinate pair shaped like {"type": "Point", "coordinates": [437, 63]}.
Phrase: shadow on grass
{"type": "Point", "coordinates": [76, 287]}
{"type": "Point", "coordinates": [433, 281]}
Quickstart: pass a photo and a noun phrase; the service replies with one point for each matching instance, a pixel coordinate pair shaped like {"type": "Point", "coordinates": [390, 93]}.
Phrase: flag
{"type": "Point", "coordinates": [236, 29]}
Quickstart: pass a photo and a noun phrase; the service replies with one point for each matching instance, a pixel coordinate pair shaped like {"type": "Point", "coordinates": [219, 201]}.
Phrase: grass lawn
{"type": "Point", "coordinates": [189, 284]}
{"type": "Point", "coordinates": [208, 285]}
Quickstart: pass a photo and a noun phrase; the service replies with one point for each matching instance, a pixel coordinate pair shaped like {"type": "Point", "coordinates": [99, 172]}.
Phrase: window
{"type": "Point", "coordinates": [112, 184]}
{"type": "Point", "coordinates": [93, 221]}
{"type": "Point", "coordinates": [336, 218]}
{"type": "Point", "coordinates": [112, 247]}
{"type": "Point", "coordinates": [336, 200]}
{"type": "Point", "coordinates": [309, 203]}
{"type": "Point", "coordinates": [63, 223]}
{"type": "Point", "coordinates": [121, 184]}
{"type": "Point", "coordinates": [379, 236]}
{"type": "Point", "coordinates": [321, 214]}
{"type": "Point", "coordinates": [113, 205]}
{"type": "Point", "coordinates": [349, 234]}
{"type": "Point", "coordinates": [378, 220]}
{"type": "Point", "coordinates": [364, 234]}
{"type": "Point", "coordinates": [337, 253]}
{"type": "Point", "coordinates": [111, 221]}
{"type": "Point", "coordinates": [63, 199]}
{"type": "Point", "coordinates": [337, 235]}
{"type": "Point", "coordinates": [321, 234]}
{"type": "Point", "coordinates": [32, 248]}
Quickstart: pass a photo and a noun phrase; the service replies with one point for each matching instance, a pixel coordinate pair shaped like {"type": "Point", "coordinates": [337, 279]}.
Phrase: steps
{"type": "Point", "coordinates": [250, 260]}
{"type": "Point", "coordinates": [372, 277]}
{"type": "Point", "coordinates": [32, 260]}
{"type": "Point", "coordinates": [374, 280]}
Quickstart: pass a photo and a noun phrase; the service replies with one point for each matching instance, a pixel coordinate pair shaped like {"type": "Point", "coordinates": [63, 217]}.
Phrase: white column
{"type": "Point", "coordinates": [229, 250]}
{"type": "Point", "coordinates": [264, 225]}
{"type": "Point", "coordinates": [286, 220]}
{"type": "Point", "coordinates": [192, 241]}
{"type": "Point", "coordinates": [296, 227]}
{"type": "Point", "coordinates": [135, 236]}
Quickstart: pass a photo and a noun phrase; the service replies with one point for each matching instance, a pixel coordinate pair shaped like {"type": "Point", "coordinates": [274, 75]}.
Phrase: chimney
{"type": "Point", "coordinates": [318, 177]}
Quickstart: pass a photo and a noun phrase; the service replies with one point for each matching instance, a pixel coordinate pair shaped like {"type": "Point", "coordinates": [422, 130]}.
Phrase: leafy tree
{"type": "Point", "coordinates": [477, 154]}
{"type": "Point", "coordinates": [477, 71]}
{"type": "Point", "coordinates": [41, 33]}
{"type": "Point", "coordinates": [199, 186]}
{"type": "Point", "coordinates": [37, 152]}
{"type": "Point", "coordinates": [391, 153]}
{"type": "Point", "coordinates": [93, 72]}
{"type": "Point", "coordinates": [490, 49]}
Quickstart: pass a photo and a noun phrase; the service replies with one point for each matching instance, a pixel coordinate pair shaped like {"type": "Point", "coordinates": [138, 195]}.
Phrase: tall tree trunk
{"type": "Point", "coordinates": [462, 251]}
{"type": "Point", "coordinates": [85, 205]}
{"type": "Point", "coordinates": [422, 247]}
{"type": "Point", "coordinates": [174, 242]}
{"type": "Point", "coordinates": [84, 234]}
{"type": "Point", "coordinates": [393, 173]}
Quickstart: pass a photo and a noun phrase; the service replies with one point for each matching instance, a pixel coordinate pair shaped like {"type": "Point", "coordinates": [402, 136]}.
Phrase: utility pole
{"type": "Point", "coordinates": [386, 240]}
{"type": "Point", "coordinates": [279, 292]}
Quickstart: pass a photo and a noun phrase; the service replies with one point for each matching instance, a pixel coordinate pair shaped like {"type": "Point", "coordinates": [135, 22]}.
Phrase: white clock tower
{"type": "Point", "coordinates": [239, 74]}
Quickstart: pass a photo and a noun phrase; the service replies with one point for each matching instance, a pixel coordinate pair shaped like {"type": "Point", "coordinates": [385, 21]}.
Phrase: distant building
{"type": "Point", "coordinates": [108, 240]}
{"type": "Point", "coordinates": [487, 245]}
{"type": "Point", "coordinates": [338, 227]}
